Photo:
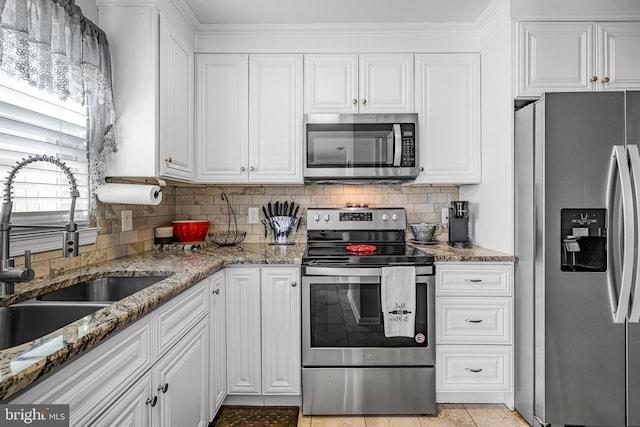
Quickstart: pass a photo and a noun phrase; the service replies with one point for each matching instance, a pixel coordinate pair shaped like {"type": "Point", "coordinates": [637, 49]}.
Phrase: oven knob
{"type": "Point", "coordinates": [385, 217]}
{"type": "Point", "coordinates": [326, 218]}
{"type": "Point", "coordinates": [316, 217]}
{"type": "Point", "coordinates": [394, 217]}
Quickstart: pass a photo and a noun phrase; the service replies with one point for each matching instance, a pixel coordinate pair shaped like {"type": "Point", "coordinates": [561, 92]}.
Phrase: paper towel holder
{"type": "Point", "coordinates": [151, 180]}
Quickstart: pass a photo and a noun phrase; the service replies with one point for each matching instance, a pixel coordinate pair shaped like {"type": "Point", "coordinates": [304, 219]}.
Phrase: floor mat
{"type": "Point", "coordinates": [256, 416]}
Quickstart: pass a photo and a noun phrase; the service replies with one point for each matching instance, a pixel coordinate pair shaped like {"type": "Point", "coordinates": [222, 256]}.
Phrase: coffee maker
{"type": "Point", "coordinates": [459, 225]}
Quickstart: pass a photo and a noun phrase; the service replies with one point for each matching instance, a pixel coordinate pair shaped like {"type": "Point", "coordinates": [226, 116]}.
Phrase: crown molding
{"type": "Point", "coordinates": [575, 17]}
{"type": "Point", "coordinates": [490, 13]}
{"type": "Point", "coordinates": [336, 28]}
{"type": "Point", "coordinates": [187, 14]}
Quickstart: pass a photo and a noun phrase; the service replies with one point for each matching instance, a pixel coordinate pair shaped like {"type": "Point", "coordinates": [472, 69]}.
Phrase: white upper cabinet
{"type": "Point", "coordinates": [249, 118]}
{"type": "Point", "coordinates": [448, 104]}
{"type": "Point", "coordinates": [577, 56]}
{"type": "Point", "coordinates": [222, 118]}
{"type": "Point", "coordinates": [176, 104]}
{"type": "Point", "coordinates": [275, 118]}
{"type": "Point", "coordinates": [345, 83]}
{"type": "Point", "coordinates": [152, 58]}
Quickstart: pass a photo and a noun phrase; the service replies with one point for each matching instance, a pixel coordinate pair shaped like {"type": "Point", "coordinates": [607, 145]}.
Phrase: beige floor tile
{"type": "Point", "coordinates": [494, 415]}
{"type": "Point", "coordinates": [355, 421]}
{"type": "Point", "coordinates": [448, 415]}
{"type": "Point", "coordinates": [303, 421]}
{"type": "Point", "coordinates": [398, 421]}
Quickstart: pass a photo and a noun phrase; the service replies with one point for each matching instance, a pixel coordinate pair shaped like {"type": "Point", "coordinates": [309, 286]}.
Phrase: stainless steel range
{"type": "Point", "coordinates": [368, 340]}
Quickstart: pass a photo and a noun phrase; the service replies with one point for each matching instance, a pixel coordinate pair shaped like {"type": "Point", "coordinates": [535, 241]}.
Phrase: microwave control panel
{"type": "Point", "coordinates": [408, 158]}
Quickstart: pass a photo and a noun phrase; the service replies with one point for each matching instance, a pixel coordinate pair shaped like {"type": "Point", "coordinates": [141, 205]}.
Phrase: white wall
{"type": "Point", "coordinates": [89, 9]}
{"type": "Point", "coordinates": [491, 203]}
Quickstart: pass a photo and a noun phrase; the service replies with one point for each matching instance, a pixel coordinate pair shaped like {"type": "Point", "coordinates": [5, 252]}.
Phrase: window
{"type": "Point", "coordinates": [35, 122]}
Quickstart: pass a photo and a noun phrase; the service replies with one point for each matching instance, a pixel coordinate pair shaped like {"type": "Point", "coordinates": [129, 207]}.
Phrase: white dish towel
{"type": "Point", "coordinates": [399, 301]}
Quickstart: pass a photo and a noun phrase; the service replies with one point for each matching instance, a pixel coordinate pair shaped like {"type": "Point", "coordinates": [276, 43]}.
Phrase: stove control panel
{"type": "Point", "coordinates": [356, 219]}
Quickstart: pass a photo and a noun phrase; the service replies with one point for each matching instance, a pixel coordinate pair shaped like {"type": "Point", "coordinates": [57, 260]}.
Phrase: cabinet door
{"type": "Point", "coordinates": [217, 343]}
{"type": "Point", "coordinates": [555, 57]}
{"type": "Point", "coordinates": [180, 381]}
{"type": "Point", "coordinates": [275, 128]}
{"type": "Point", "coordinates": [618, 59]}
{"type": "Point", "coordinates": [331, 83]}
{"type": "Point", "coordinates": [132, 409]}
{"type": "Point", "coordinates": [386, 83]}
{"type": "Point", "coordinates": [243, 330]}
{"type": "Point", "coordinates": [222, 118]}
{"type": "Point", "coordinates": [281, 330]}
{"type": "Point", "coordinates": [448, 91]}
{"type": "Point", "coordinates": [176, 104]}
{"type": "Point", "coordinates": [133, 44]}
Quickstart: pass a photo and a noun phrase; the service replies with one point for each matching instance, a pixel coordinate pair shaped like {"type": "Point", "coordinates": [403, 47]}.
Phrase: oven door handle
{"type": "Point", "coordinates": [340, 280]}
{"type": "Point", "coordinates": [340, 271]}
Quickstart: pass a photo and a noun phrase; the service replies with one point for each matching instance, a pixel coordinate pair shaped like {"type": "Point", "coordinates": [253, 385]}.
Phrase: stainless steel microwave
{"type": "Point", "coordinates": [360, 147]}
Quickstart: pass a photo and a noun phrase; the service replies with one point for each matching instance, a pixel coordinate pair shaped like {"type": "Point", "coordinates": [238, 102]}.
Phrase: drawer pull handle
{"type": "Point", "coordinates": [217, 292]}
{"type": "Point", "coordinates": [473, 280]}
{"type": "Point", "coordinates": [152, 401]}
{"type": "Point", "coordinates": [163, 388]}
{"type": "Point", "coordinates": [473, 320]}
{"type": "Point", "coordinates": [475, 371]}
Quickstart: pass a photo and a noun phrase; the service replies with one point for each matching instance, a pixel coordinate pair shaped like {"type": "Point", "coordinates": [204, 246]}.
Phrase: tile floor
{"type": "Point", "coordinates": [449, 415]}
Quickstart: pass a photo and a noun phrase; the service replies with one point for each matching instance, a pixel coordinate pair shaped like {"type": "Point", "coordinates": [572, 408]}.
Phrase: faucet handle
{"type": "Point", "coordinates": [28, 274]}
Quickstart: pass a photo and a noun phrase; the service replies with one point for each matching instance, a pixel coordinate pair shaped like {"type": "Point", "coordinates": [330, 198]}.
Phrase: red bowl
{"type": "Point", "coordinates": [190, 231]}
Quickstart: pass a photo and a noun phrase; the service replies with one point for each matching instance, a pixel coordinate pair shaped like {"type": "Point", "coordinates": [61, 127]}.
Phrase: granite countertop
{"type": "Point", "coordinates": [442, 252]}
{"type": "Point", "coordinates": [24, 364]}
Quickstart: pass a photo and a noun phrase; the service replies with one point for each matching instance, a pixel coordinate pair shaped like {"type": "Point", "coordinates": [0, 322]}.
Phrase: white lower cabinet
{"type": "Point", "coordinates": [263, 330]}
{"type": "Point", "coordinates": [217, 343]}
{"type": "Point", "coordinates": [237, 332]}
{"type": "Point", "coordinates": [180, 382]}
{"type": "Point", "coordinates": [173, 393]}
{"type": "Point", "coordinates": [122, 380]}
{"type": "Point", "coordinates": [474, 333]}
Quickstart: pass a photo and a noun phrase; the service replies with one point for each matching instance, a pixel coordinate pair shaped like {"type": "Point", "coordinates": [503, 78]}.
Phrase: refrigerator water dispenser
{"type": "Point", "coordinates": [584, 240]}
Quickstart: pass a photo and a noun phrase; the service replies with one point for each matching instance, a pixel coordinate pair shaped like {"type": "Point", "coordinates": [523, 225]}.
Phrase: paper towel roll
{"type": "Point", "coordinates": [130, 194]}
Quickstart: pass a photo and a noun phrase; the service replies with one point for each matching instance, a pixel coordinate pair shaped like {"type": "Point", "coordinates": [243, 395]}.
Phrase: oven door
{"type": "Point", "coordinates": [342, 322]}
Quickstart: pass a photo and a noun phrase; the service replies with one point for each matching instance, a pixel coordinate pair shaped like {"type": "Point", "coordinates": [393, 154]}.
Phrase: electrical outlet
{"type": "Point", "coordinates": [444, 218]}
{"type": "Point", "coordinates": [127, 221]}
{"type": "Point", "coordinates": [253, 216]}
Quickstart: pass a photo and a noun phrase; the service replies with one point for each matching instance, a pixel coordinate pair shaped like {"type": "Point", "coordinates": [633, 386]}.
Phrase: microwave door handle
{"type": "Point", "coordinates": [397, 144]}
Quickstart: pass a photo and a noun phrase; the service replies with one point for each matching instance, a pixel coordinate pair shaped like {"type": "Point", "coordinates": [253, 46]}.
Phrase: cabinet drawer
{"type": "Point", "coordinates": [473, 368]}
{"type": "Point", "coordinates": [469, 279]}
{"type": "Point", "coordinates": [473, 320]}
{"type": "Point", "coordinates": [178, 316]}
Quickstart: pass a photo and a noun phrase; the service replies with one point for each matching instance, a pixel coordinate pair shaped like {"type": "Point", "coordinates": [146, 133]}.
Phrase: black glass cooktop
{"type": "Point", "coordinates": [385, 254]}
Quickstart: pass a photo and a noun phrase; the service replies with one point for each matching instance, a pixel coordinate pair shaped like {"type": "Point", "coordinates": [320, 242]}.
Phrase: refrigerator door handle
{"type": "Point", "coordinates": [634, 156]}
{"type": "Point", "coordinates": [619, 162]}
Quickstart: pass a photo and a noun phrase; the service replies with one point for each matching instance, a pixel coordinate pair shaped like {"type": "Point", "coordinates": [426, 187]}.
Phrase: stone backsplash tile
{"type": "Point", "coordinates": [203, 202]}
{"type": "Point", "coordinates": [422, 203]}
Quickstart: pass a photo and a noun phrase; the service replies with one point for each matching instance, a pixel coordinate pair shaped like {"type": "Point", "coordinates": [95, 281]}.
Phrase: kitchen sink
{"type": "Point", "coordinates": [22, 323]}
{"type": "Point", "coordinates": [106, 289]}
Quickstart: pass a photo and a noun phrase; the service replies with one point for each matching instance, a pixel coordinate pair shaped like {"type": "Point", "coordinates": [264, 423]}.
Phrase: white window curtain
{"type": "Point", "coordinates": [51, 45]}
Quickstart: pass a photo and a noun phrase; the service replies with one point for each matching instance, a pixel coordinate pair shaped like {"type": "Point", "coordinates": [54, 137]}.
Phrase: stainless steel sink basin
{"type": "Point", "coordinates": [22, 323]}
{"type": "Point", "coordinates": [107, 289]}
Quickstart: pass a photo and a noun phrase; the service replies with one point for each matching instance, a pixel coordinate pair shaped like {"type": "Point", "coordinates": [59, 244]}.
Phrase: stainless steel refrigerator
{"type": "Point", "coordinates": [577, 300]}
